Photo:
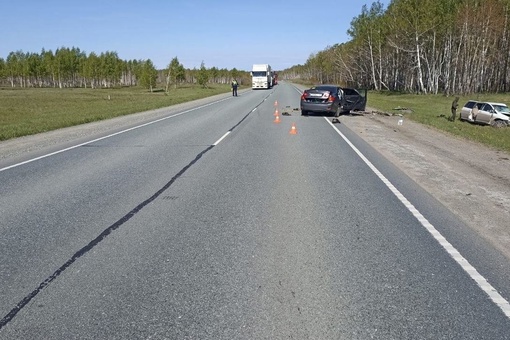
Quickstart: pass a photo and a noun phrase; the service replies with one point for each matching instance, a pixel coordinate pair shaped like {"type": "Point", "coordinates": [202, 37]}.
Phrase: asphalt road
{"type": "Point", "coordinates": [217, 223]}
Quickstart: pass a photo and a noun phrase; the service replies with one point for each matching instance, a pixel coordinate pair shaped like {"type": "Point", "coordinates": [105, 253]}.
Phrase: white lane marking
{"type": "Point", "coordinates": [223, 137]}
{"type": "Point", "coordinates": [493, 294]}
{"type": "Point", "coordinates": [111, 135]}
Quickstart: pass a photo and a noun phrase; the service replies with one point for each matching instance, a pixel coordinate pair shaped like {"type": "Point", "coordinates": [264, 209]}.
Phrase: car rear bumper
{"type": "Point", "coordinates": [318, 107]}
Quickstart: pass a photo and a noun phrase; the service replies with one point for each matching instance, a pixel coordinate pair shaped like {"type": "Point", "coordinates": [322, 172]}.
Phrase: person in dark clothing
{"type": "Point", "coordinates": [234, 87]}
{"type": "Point", "coordinates": [339, 108]}
{"type": "Point", "coordinates": [455, 105]}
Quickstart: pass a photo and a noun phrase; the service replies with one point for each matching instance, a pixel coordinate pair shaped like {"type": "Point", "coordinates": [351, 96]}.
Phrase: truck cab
{"type": "Point", "coordinates": [262, 76]}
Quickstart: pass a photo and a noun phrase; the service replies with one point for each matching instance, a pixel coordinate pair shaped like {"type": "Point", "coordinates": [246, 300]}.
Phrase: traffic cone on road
{"type": "Point", "coordinates": [276, 113]}
{"type": "Point", "coordinates": [276, 119]}
{"type": "Point", "coordinates": [293, 130]}
{"type": "Point", "coordinates": [275, 103]}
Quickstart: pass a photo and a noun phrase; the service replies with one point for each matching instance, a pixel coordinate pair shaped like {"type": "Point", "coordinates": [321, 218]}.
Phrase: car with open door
{"type": "Point", "coordinates": [330, 99]}
{"type": "Point", "coordinates": [486, 113]}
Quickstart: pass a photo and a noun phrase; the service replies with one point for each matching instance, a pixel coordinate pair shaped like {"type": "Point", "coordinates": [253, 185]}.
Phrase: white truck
{"type": "Point", "coordinates": [261, 76]}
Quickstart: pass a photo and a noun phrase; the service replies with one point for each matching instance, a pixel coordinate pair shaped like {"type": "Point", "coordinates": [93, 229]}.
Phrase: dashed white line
{"type": "Point", "coordinates": [111, 135]}
{"type": "Point", "coordinates": [223, 137]}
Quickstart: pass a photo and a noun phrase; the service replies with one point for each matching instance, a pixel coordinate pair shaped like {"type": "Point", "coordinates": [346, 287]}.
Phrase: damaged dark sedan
{"type": "Point", "coordinates": [332, 100]}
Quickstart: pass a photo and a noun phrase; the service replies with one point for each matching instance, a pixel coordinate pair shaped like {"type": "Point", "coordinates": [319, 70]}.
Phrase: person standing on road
{"type": "Point", "coordinates": [455, 105]}
{"type": "Point", "coordinates": [234, 87]}
{"type": "Point", "coordinates": [340, 106]}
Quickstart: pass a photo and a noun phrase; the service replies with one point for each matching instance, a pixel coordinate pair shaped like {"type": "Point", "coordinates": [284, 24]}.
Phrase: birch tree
{"type": "Point", "coordinates": [202, 75]}
{"type": "Point", "coordinates": [175, 73]}
{"type": "Point", "coordinates": [149, 75]}
{"type": "Point", "coordinates": [367, 30]}
{"type": "Point", "coordinates": [3, 68]}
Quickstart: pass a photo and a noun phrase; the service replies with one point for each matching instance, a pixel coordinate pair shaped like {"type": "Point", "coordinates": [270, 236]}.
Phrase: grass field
{"type": "Point", "coordinates": [30, 111]}
{"type": "Point", "coordinates": [434, 110]}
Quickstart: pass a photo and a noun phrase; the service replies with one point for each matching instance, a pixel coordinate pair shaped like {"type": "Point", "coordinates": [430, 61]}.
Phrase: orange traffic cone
{"type": "Point", "coordinates": [276, 119]}
{"type": "Point", "coordinates": [276, 113]}
{"type": "Point", "coordinates": [293, 130]}
{"type": "Point", "coordinates": [275, 103]}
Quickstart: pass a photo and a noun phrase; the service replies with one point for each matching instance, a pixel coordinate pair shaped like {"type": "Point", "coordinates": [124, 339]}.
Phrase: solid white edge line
{"type": "Point", "coordinates": [493, 294]}
{"type": "Point", "coordinates": [111, 135]}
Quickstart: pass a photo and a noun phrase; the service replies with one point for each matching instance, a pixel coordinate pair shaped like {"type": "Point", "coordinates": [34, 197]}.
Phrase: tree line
{"type": "Point", "coordinates": [71, 67]}
{"type": "Point", "coordinates": [420, 46]}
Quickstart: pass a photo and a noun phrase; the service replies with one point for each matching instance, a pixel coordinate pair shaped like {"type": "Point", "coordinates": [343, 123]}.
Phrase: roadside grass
{"type": "Point", "coordinates": [434, 111]}
{"type": "Point", "coordinates": [30, 111]}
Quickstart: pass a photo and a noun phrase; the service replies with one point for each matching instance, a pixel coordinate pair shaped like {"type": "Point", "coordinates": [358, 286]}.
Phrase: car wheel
{"type": "Point", "coordinates": [304, 113]}
{"type": "Point", "coordinates": [498, 123]}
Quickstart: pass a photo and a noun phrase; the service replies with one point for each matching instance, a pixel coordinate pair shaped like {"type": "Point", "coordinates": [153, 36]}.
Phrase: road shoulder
{"type": "Point", "coordinates": [471, 180]}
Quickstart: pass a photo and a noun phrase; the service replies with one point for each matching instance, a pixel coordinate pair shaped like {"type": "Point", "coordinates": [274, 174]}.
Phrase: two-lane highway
{"type": "Point", "coordinates": [218, 223]}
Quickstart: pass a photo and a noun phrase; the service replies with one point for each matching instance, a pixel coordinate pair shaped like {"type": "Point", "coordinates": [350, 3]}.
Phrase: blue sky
{"type": "Point", "coordinates": [221, 33]}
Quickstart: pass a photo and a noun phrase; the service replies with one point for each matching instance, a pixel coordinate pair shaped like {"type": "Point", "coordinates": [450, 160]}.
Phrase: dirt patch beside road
{"type": "Point", "coordinates": [471, 180]}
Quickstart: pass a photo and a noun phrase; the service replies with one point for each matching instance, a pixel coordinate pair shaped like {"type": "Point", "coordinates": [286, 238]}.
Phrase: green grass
{"type": "Point", "coordinates": [31, 111]}
{"type": "Point", "coordinates": [434, 111]}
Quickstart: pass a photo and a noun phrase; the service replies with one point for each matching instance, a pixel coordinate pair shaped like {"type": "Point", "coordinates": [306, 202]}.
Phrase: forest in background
{"type": "Point", "coordinates": [412, 46]}
{"type": "Point", "coordinates": [71, 67]}
{"type": "Point", "coordinates": [420, 46]}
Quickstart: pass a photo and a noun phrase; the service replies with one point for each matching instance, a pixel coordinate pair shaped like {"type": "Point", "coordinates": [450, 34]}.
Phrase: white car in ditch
{"type": "Point", "coordinates": [486, 113]}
